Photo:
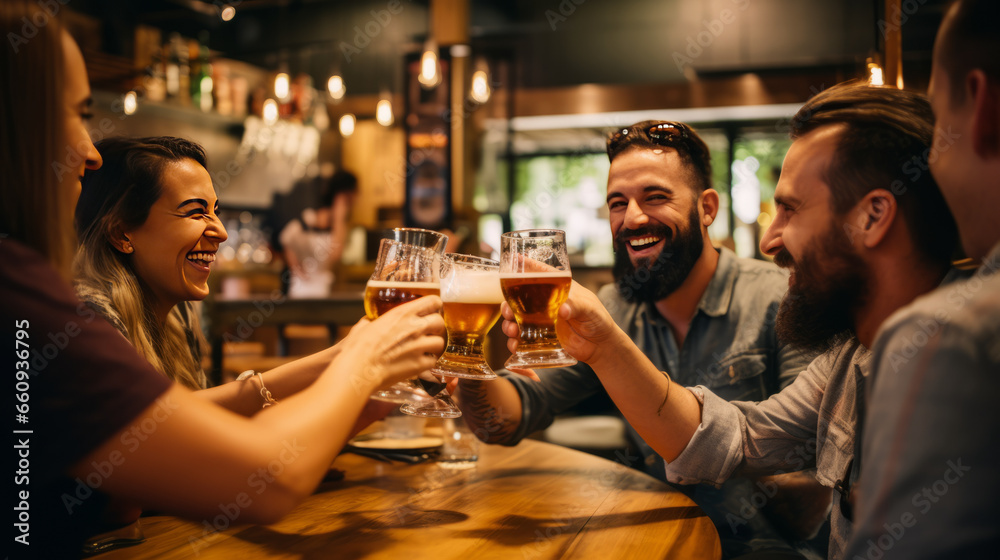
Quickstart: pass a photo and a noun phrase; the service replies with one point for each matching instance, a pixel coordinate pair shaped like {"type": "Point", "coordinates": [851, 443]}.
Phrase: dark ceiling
{"type": "Point", "coordinates": [554, 42]}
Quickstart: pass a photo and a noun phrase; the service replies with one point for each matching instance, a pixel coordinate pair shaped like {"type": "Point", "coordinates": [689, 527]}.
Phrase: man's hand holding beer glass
{"type": "Point", "coordinates": [584, 326]}
{"type": "Point", "coordinates": [647, 397]}
{"type": "Point", "coordinates": [535, 279]}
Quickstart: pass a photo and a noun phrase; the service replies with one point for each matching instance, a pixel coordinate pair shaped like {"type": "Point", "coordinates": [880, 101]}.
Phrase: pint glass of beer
{"type": "Point", "coordinates": [405, 272]}
{"type": "Point", "coordinates": [535, 279]}
{"type": "Point", "coordinates": [470, 288]}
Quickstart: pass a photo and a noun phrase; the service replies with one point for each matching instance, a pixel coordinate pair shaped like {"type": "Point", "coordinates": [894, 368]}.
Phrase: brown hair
{"type": "Point", "coordinates": [693, 150]}
{"type": "Point", "coordinates": [33, 207]}
{"type": "Point", "coordinates": [970, 41]}
{"type": "Point", "coordinates": [886, 145]}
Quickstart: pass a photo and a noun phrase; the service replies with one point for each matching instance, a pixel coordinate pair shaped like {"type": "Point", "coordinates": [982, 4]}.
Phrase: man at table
{"type": "Point", "coordinates": [930, 478]}
{"type": "Point", "coordinates": [701, 313]}
{"type": "Point", "coordinates": [864, 236]}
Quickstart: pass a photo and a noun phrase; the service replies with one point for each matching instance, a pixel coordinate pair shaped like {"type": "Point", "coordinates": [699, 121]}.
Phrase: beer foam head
{"type": "Point", "coordinates": [472, 287]}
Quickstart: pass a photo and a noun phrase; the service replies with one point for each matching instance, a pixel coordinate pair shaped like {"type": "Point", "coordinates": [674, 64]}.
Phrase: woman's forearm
{"type": "Point", "coordinates": [243, 397]}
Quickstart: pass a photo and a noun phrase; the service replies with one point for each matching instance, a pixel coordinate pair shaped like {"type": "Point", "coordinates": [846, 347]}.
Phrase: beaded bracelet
{"type": "Point", "coordinates": [264, 393]}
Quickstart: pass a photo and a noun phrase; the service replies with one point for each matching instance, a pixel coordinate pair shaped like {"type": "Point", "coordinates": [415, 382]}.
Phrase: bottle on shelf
{"type": "Point", "coordinates": [202, 83]}
{"type": "Point", "coordinates": [173, 67]}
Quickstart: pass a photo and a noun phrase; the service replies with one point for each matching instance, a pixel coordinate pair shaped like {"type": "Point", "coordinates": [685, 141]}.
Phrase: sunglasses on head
{"type": "Point", "coordinates": [664, 133]}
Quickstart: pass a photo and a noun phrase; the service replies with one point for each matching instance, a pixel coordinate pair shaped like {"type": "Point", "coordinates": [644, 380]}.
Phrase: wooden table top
{"type": "Point", "coordinates": [532, 501]}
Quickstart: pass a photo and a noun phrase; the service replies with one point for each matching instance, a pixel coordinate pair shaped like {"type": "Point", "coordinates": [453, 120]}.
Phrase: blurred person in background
{"type": "Point", "coordinates": [91, 395]}
{"type": "Point", "coordinates": [312, 242]}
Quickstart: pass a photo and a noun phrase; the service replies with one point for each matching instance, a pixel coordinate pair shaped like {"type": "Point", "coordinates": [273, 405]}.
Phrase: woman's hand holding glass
{"type": "Point", "coordinates": [401, 344]}
{"type": "Point", "coordinates": [408, 268]}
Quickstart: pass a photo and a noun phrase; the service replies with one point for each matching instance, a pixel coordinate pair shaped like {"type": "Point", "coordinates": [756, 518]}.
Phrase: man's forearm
{"type": "Point", "coordinates": [664, 413]}
{"type": "Point", "coordinates": [492, 409]}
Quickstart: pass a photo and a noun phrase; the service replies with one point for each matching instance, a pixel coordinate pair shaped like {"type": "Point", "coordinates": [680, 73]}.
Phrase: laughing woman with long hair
{"type": "Point", "coordinates": [101, 422]}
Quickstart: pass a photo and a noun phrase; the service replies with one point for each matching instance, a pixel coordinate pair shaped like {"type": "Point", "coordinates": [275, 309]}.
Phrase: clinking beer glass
{"type": "Point", "coordinates": [470, 289]}
{"type": "Point", "coordinates": [403, 273]}
{"type": "Point", "coordinates": [535, 279]}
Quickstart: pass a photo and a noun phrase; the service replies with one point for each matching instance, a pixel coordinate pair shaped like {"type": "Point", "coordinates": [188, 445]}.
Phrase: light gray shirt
{"type": "Point", "coordinates": [811, 423]}
{"type": "Point", "coordinates": [930, 479]}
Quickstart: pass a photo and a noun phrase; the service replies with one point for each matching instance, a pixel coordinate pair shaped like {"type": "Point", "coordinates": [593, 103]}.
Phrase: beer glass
{"type": "Point", "coordinates": [420, 237]}
{"type": "Point", "coordinates": [470, 288]}
{"type": "Point", "coordinates": [403, 273]}
{"type": "Point", "coordinates": [535, 278]}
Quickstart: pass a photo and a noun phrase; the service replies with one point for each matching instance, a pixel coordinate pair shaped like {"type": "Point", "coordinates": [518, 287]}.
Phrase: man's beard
{"type": "Point", "coordinates": [652, 281]}
{"type": "Point", "coordinates": [818, 310]}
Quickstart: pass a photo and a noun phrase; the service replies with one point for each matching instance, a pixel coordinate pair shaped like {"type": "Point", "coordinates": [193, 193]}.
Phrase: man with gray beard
{"type": "Point", "coordinates": [700, 313]}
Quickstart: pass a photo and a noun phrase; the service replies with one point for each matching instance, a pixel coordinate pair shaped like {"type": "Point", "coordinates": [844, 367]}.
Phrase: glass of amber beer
{"type": "Point", "coordinates": [404, 272]}
{"type": "Point", "coordinates": [470, 288]}
{"type": "Point", "coordinates": [535, 278]}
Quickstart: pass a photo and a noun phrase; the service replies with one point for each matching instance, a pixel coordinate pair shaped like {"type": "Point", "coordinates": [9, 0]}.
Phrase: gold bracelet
{"type": "Point", "coordinates": [667, 396]}
{"type": "Point", "coordinates": [264, 393]}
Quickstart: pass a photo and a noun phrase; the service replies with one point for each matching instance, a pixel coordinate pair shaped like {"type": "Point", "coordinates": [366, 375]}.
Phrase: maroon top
{"type": "Point", "coordinates": [85, 383]}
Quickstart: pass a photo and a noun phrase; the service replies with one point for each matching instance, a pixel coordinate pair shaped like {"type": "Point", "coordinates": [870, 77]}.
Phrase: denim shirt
{"type": "Point", "coordinates": [730, 347]}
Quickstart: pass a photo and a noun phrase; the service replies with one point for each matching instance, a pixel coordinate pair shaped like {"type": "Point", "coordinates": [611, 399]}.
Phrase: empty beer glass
{"type": "Point", "coordinates": [535, 279]}
{"type": "Point", "coordinates": [470, 288]}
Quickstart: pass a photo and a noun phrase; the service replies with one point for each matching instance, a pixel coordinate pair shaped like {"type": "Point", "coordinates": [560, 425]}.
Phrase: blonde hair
{"type": "Point", "coordinates": [119, 196]}
{"type": "Point", "coordinates": [113, 290]}
{"type": "Point", "coordinates": [34, 209]}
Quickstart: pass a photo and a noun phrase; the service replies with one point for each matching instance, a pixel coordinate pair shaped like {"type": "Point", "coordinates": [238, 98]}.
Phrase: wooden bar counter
{"type": "Point", "coordinates": [532, 501]}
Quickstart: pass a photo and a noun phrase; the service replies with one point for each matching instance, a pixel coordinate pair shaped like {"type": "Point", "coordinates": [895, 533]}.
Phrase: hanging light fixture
{"type": "Point", "coordinates": [130, 103]}
{"type": "Point", "coordinates": [335, 85]}
{"type": "Point", "coordinates": [270, 111]}
{"type": "Point", "coordinates": [228, 12]}
{"type": "Point", "coordinates": [383, 112]}
{"type": "Point", "coordinates": [281, 85]}
{"type": "Point", "coordinates": [346, 125]}
{"type": "Point", "coordinates": [875, 76]}
{"type": "Point", "coordinates": [480, 91]}
{"type": "Point", "coordinates": [430, 66]}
